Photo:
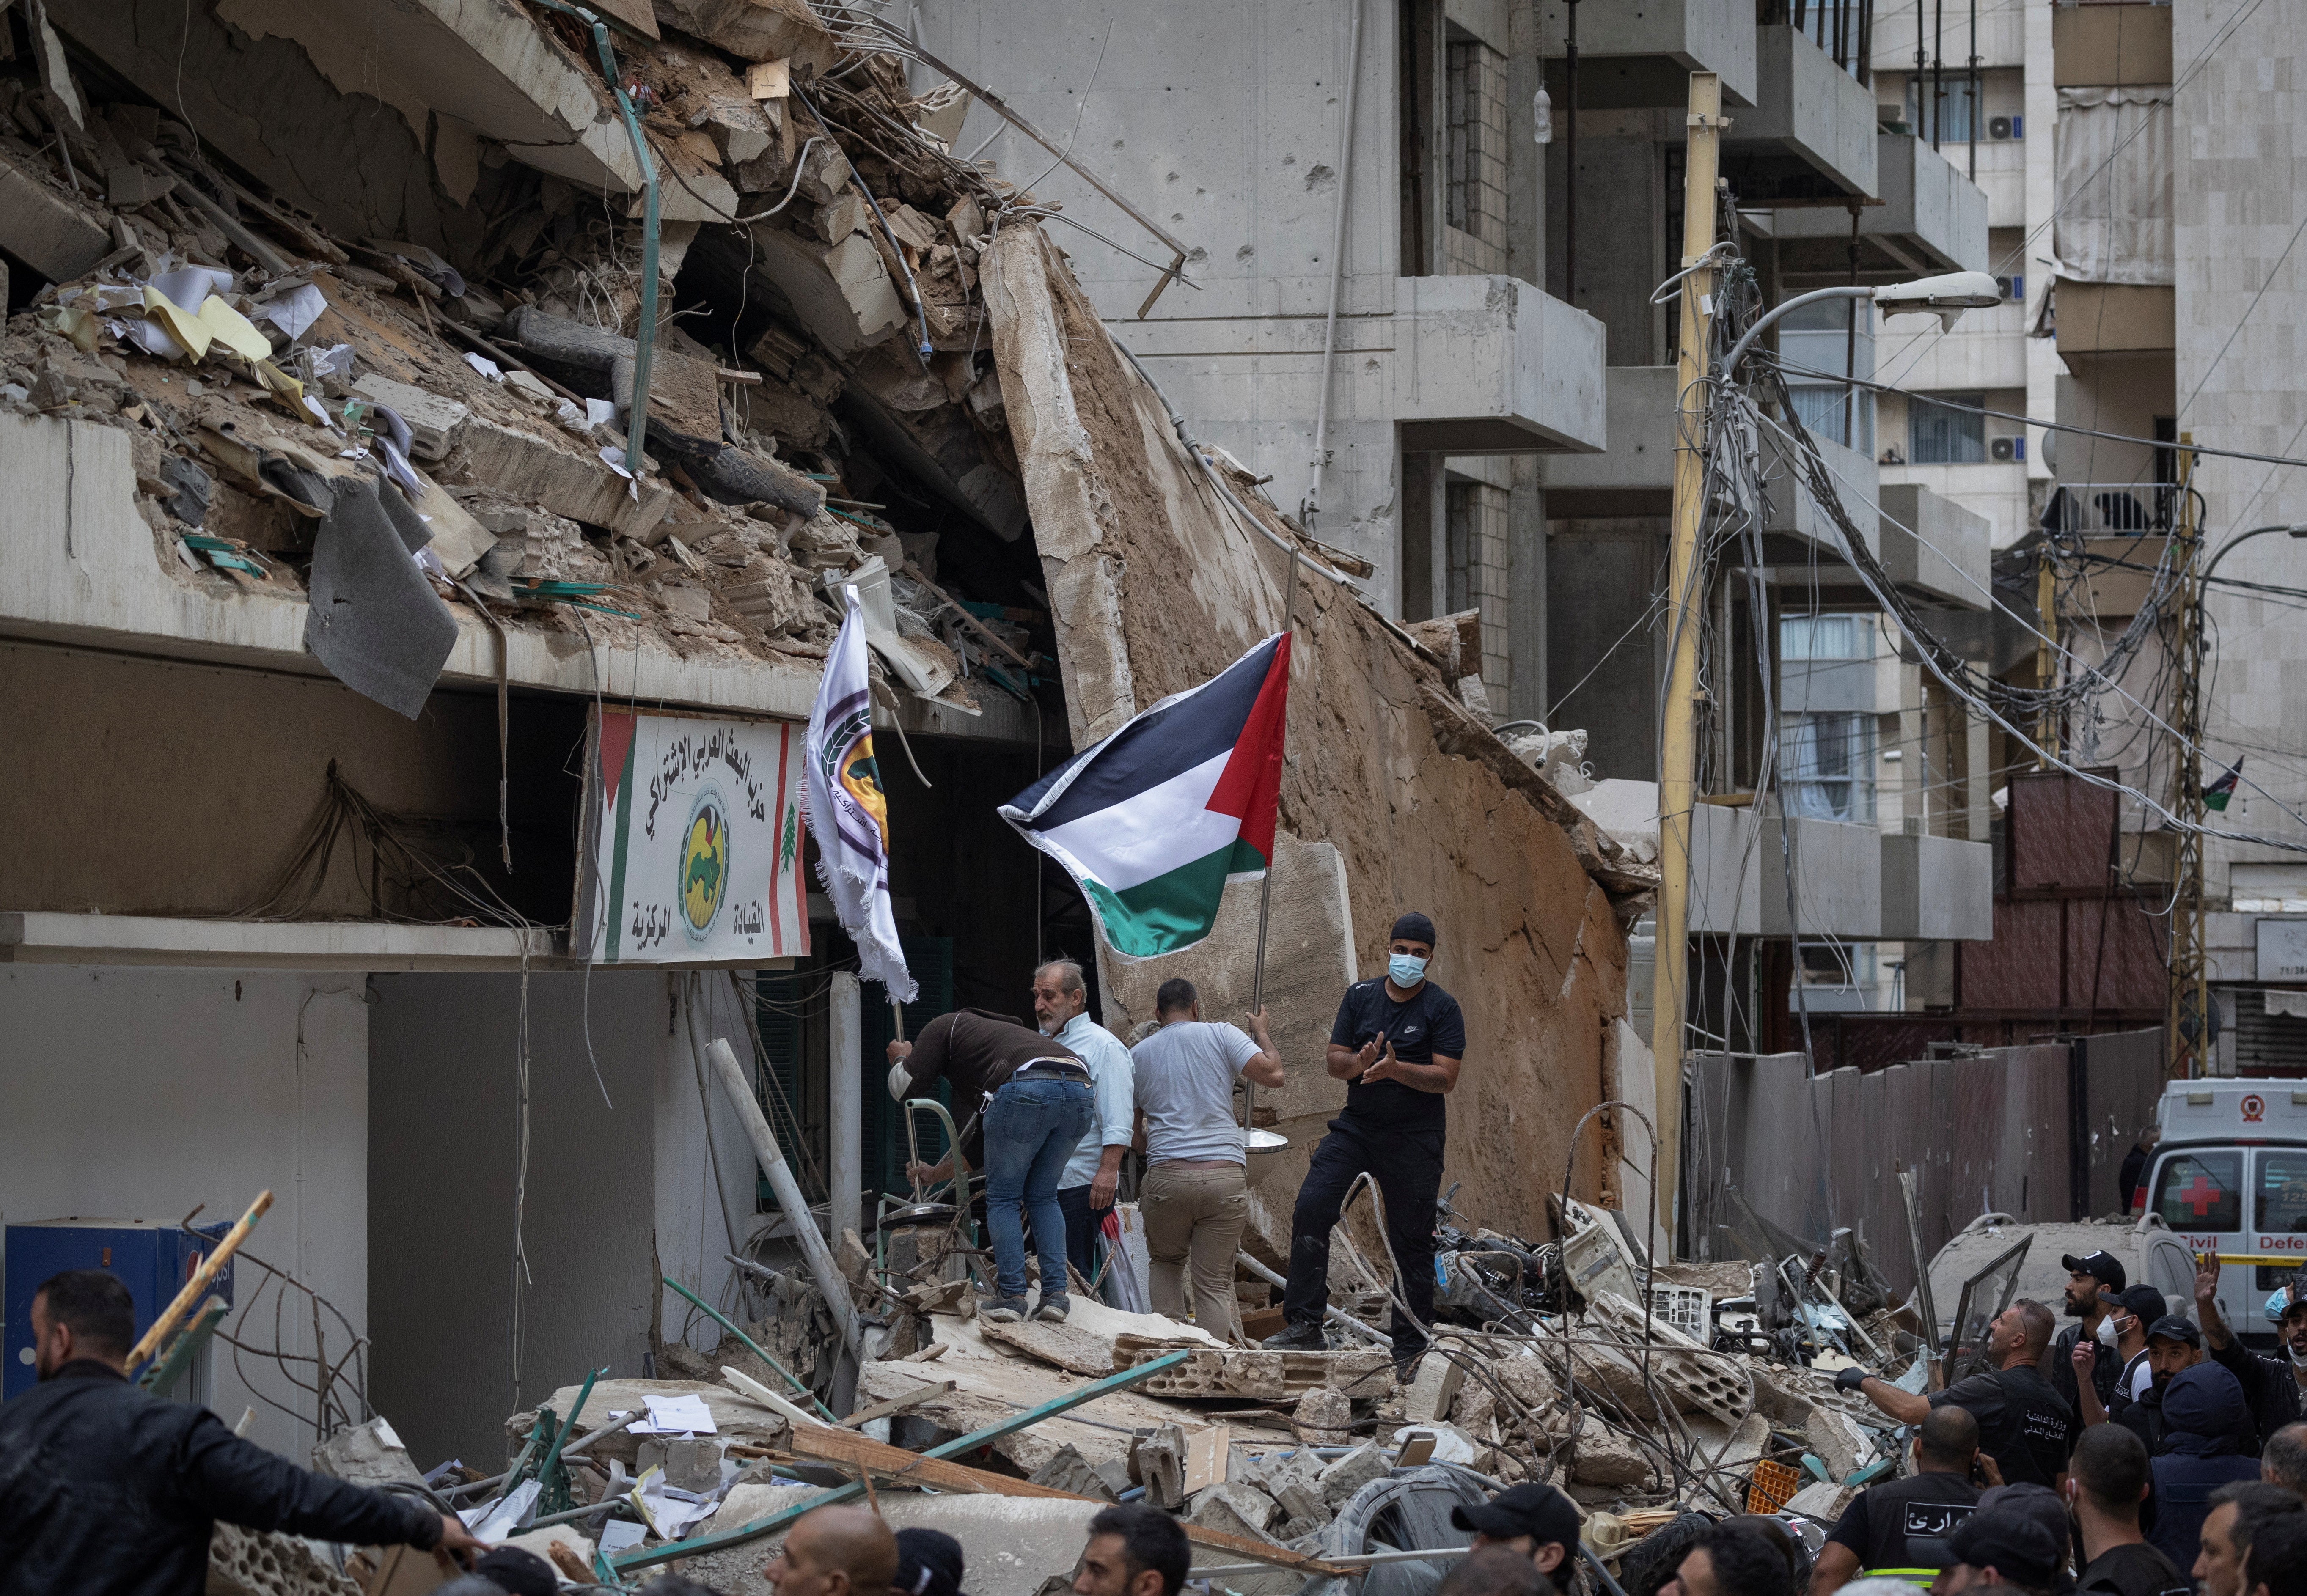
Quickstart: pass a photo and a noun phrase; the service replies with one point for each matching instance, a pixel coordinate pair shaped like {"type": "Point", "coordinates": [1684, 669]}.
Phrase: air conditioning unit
{"type": "Point", "coordinates": [2003, 450]}
{"type": "Point", "coordinates": [2014, 287]}
{"type": "Point", "coordinates": [2000, 127]}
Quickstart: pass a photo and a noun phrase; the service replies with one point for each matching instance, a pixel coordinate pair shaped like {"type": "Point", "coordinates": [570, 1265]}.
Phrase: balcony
{"type": "Point", "coordinates": [1851, 881]}
{"type": "Point", "coordinates": [1937, 889]}
{"type": "Point", "coordinates": [1635, 475]}
{"type": "Point", "coordinates": [2115, 318]}
{"type": "Point", "coordinates": [1798, 530]}
{"type": "Point", "coordinates": [1811, 134]}
{"type": "Point", "coordinates": [1934, 548]}
{"type": "Point", "coordinates": [1633, 56]}
{"type": "Point", "coordinates": [1932, 219]}
{"type": "Point", "coordinates": [1491, 365]}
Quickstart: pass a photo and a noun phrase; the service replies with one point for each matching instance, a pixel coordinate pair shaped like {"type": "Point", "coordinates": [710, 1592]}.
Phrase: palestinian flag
{"type": "Point", "coordinates": [1154, 821]}
{"type": "Point", "coordinates": [2216, 795]}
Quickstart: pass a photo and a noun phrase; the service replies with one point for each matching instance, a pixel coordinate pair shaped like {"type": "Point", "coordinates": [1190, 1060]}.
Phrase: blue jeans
{"type": "Point", "coordinates": [1031, 1130]}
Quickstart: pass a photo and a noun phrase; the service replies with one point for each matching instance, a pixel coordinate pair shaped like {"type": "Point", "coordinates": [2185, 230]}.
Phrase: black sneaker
{"type": "Point", "coordinates": [1054, 1309]}
{"type": "Point", "coordinates": [1299, 1338]}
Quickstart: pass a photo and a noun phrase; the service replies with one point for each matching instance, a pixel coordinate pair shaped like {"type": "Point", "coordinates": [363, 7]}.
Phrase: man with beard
{"type": "Point", "coordinates": [2173, 1346]}
{"type": "Point", "coordinates": [2270, 1385]}
{"type": "Point", "coordinates": [2129, 1316]}
{"type": "Point", "coordinates": [2022, 1421]}
{"type": "Point", "coordinates": [2088, 1278]}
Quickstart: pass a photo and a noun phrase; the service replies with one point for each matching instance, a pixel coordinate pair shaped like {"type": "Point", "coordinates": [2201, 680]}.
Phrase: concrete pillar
{"type": "Point", "coordinates": [1979, 780]}
{"type": "Point", "coordinates": [1526, 593]}
{"type": "Point", "coordinates": [847, 1174]}
{"type": "Point", "coordinates": [1943, 719]}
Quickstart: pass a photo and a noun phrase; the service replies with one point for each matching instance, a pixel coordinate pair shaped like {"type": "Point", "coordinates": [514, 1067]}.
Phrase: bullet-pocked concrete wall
{"type": "Point", "coordinates": [1220, 120]}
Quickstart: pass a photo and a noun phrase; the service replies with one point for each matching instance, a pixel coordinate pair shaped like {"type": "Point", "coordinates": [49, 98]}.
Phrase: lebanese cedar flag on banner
{"type": "Point", "coordinates": [1154, 821]}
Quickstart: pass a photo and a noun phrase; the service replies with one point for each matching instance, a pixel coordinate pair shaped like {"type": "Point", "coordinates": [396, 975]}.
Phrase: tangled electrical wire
{"type": "Point", "coordinates": [432, 868]}
{"type": "Point", "coordinates": [337, 1385]}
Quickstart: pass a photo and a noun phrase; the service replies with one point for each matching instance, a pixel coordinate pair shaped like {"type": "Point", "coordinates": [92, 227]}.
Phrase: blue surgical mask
{"type": "Point", "coordinates": [1405, 969]}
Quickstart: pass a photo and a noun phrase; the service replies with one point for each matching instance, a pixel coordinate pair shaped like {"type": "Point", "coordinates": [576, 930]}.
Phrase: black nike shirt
{"type": "Point", "coordinates": [1430, 1023]}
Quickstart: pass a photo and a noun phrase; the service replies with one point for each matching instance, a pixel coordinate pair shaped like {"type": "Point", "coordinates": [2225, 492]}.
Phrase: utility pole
{"type": "Point", "coordinates": [1686, 609]}
{"type": "Point", "coordinates": [2046, 657]}
{"type": "Point", "coordinates": [2189, 1008]}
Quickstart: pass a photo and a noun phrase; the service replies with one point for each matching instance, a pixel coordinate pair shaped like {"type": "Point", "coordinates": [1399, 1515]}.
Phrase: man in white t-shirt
{"type": "Point", "coordinates": [1194, 1198]}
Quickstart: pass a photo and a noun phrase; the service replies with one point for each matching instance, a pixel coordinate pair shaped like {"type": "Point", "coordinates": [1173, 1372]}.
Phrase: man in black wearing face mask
{"type": "Point", "coordinates": [1398, 1039]}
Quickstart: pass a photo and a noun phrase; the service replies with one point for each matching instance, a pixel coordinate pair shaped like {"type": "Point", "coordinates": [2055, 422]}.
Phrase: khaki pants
{"type": "Point", "coordinates": [1194, 1219]}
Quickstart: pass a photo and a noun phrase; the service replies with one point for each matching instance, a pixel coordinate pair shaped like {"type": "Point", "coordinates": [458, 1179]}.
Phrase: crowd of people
{"type": "Point", "coordinates": [1051, 1109]}
{"type": "Point", "coordinates": [2155, 1453]}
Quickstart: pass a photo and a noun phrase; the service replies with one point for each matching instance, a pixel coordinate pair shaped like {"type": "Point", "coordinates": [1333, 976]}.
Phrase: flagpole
{"type": "Point", "coordinates": [1265, 882]}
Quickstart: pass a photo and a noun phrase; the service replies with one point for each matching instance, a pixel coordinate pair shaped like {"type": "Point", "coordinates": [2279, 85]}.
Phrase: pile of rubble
{"type": "Point", "coordinates": [1284, 1467]}
{"type": "Point", "coordinates": [407, 444]}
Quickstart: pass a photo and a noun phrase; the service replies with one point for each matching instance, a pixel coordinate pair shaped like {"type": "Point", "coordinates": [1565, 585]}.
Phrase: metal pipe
{"type": "Point", "coordinates": [846, 1127]}
{"type": "Point", "coordinates": [1570, 171]}
{"type": "Point", "coordinates": [1377, 1337]}
{"type": "Point", "coordinates": [1938, 67]}
{"type": "Point", "coordinates": [821, 1267]}
{"type": "Point", "coordinates": [644, 335]}
{"type": "Point", "coordinates": [1738, 350]}
{"type": "Point", "coordinates": [1311, 507]}
{"type": "Point", "coordinates": [1974, 90]}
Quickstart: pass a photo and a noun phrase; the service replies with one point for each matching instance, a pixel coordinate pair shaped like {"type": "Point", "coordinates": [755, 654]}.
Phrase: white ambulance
{"type": "Point", "coordinates": [2230, 1177]}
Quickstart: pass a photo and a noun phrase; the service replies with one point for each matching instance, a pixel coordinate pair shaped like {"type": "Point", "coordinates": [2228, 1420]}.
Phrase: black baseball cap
{"type": "Point", "coordinates": [1538, 1511]}
{"type": "Point", "coordinates": [1412, 927]}
{"type": "Point", "coordinates": [2104, 1265]}
{"type": "Point", "coordinates": [2175, 1326]}
{"type": "Point", "coordinates": [2141, 1302]}
{"type": "Point", "coordinates": [2009, 1542]}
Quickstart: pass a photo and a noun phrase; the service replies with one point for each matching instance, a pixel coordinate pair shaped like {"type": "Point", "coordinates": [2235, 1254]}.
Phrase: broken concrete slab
{"type": "Point", "coordinates": [1067, 1346]}
{"type": "Point", "coordinates": [841, 292]}
{"type": "Point", "coordinates": [1070, 1470]}
{"type": "Point", "coordinates": [269, 1563]}
{"type": "Point", "coordinates": [1322, 1416]}
{"type": "Point", "coordinates": [1838, 1440]}
{"type": "Point", "coordinates": [1234, 1507]}
{"type": "Point", "coordinates": [1606, 1457]}
{"type": "Point", "coordinates": [46, 230]}
{"type": "Point", "coordinates": [520, 465]}
{"type": "Point", "coordinates": [434, 423]}
{"type": "Point", "coordinates": [366, 1453]}
{"type": "Point", "coordinates": [1433, 1389]}
{"type": "Point", "coordinates": [1342, 1479]}
{"type": "Point", "coordinates": [290, 90]}
{"type": "Point", "coordinates": [758, 30]}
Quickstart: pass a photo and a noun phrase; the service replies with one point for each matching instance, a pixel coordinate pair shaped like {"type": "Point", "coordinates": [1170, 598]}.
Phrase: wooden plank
{"type": "Point", "coordinates": [895, 1465]}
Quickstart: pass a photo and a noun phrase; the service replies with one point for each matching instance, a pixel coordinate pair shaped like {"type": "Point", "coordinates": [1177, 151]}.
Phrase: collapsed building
{"type": "Point", "coordinates": [407, 416]}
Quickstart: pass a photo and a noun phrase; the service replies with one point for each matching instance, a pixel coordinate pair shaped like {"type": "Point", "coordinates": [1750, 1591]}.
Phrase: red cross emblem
{"type": "Point", "coordinates": [2200, 1194]}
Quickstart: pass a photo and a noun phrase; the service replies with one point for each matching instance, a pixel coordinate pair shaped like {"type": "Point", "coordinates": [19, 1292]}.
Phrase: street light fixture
{"type": "Point", "coordinates": [1945, 296]}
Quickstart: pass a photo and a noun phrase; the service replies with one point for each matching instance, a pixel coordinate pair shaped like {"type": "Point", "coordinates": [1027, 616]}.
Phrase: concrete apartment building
{"type": "Point", "coordinates": [261, 928]}
{"type": "Point", "coordinates": [1526, 472]}
{"type": "Point", "coordinates": [2182, 190]}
